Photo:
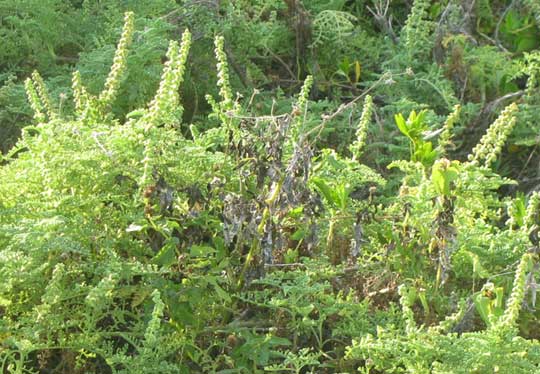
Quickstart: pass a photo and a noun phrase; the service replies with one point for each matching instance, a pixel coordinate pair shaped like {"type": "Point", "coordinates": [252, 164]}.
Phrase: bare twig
{"type": "Point", "coordinates": [296, 264]}
{"type": "Point", "coordinates": [383, 19]}
{"type": "Point", "coordinates": [386, 78]}
{"type": "Point", "coordinates": [279, 59]}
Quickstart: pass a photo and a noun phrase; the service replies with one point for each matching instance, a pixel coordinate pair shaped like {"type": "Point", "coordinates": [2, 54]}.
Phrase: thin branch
{"type": "Point", "coordinates": [293, 76]}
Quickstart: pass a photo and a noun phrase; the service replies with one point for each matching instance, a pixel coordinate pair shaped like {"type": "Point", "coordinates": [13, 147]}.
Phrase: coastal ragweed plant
{"type": "Point", "coordinates": [442, 210]}
{"type": "Point", "coordinates": [348, 189]}
{"type": "Point", "coordinates": [356, 148]}
{"type": "Point", "coordinates": [95, 108]}
{"type": "Point", "coordinates": [244, 246]}
{"type": "Point", "coordinates": [100, 261]}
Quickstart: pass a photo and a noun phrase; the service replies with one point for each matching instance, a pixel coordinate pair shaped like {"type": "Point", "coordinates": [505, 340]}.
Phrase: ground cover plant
{"type": "Point", "coordinates": [266, 186]}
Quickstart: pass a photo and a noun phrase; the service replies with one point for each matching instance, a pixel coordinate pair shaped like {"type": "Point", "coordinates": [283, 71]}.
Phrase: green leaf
{"type": "Point", "coordinates": [298, 234]}
{"type": "Point", "coordinates": [342, 195]}
{"type": "Point", "coordinates": [527, 44]}
{"type": "Point", "coordinates": [222, 294]}
{"type": "Point", "coordinates": [140, 295]}
{"type": "Point", "coordinates": [326, 190]}
{"type": "Point", "coordinates": [181, 313]}
{"type": "Point", "coordinates": [201, 251]}
{"type": "Point", "coordinates": [167, 254]}
{"type": "Point", "coordinates": [357, 71]}
{"type": "Point", "coordinates": [425, 153]}
{"type": "Point", "coordinates": [443, 174]}
{"type": "Point", "coordinates": [489, 303]}
{"type": "Point", "coordinates": [402, 126]}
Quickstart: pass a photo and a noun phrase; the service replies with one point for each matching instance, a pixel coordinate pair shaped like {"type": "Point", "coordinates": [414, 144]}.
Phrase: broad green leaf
{"type": "Point", "coordinates": [402, 126]}
{"type": "Point", "coordinates": [167, 255]}
{"type": "Point", "coordinates": [326, 190]}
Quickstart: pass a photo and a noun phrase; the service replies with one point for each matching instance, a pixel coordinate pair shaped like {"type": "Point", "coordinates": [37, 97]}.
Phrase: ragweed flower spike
{"type": "Point", "coordinates": [33, 99]}
{"type": "Point", "coordinates": [406, 300]}
{"type": "Point", "coordinates": [300, 107]}
{"type": "Point", "coordinates": [446, 136]}
{"type": "Point", "coordinates": [509, 319]}
{"type": "Point", "coordinates": [167, 99]}
{"type": "Point", "coordinates": [450, 321]}
{"type": "Point", "coordinates": [417, 28]}
{"type": "Point", "coordinates": [80, 96]}
{"type": "Point", "coordinates": [303, 97]}
{"type": "Point", "coordinates": [223, 82]}
{"type": "Point", "coordinates": [41, 90]}
{"type": "Point", "coordinates": [151, 335]}
{"type": "Point", "coordinates": [118, 68]}
{"type": "Point", "coordinates": [531, 214]}
{"type": "Point", "coordinates": [147, 163]}
{"type": "Point", "coordinates": [489, 147]}
{"type": "Point", "coordinates": [532, 69]}
{"type": "Point", "coordinates": [361, 130]}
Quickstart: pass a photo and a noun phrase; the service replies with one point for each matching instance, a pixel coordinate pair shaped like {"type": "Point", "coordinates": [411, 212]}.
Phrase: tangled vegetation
{"type": "Point", "coordinates": [350, 186]}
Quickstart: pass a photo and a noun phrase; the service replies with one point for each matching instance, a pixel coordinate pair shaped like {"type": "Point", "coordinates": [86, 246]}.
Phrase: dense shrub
{"type": "Point", "coordinates": [142, 231]}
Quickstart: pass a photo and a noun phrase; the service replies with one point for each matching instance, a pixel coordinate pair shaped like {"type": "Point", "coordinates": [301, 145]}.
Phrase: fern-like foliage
{"type": "Point", "coordinates": [445, 139]}
{"type": "Point", "coordinates": [331, 26]}
{"type": "Point", "coordinates": [85, 283]}
{"type": "Point", "coordinates": [127, 247]}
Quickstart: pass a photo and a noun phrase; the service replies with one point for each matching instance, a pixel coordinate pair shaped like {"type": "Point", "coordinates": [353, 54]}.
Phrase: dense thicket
{"type": "Point", "coordinates": [269, 186]}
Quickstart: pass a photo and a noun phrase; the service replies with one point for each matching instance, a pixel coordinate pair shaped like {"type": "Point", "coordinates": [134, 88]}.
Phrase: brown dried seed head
{"type": "Point", "coordinates": [232, 341]}
{"type": "Point", "coordinates": [148, 191]}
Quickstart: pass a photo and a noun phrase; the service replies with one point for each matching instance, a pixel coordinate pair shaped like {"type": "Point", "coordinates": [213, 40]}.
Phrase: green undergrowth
{"type": "Point", "coordinates": [134, 241]}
